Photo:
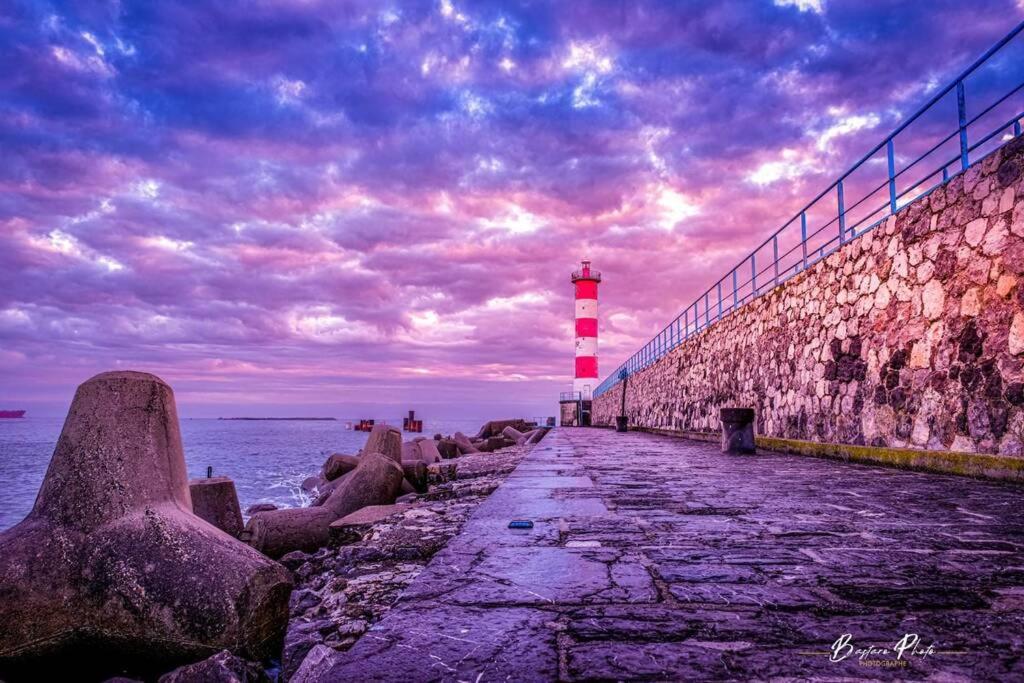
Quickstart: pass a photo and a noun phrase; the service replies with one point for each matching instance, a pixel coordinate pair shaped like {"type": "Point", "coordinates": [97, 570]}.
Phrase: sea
{"type": "Point", "coordinates": [267, 459]}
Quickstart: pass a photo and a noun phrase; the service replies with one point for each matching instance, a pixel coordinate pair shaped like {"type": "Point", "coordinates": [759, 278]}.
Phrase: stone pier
{"type": "Point", "coordinates": [909, 336]}
{"type": "Point", "coordinates": [656, 557]}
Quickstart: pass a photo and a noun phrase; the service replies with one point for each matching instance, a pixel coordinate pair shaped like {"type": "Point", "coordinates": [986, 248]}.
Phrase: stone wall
{"type": "Point", "coordinates": [911, 335]}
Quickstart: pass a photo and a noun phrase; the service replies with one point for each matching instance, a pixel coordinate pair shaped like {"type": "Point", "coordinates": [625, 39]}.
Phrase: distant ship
{"type": "Point", "coordinates": [11, 413]}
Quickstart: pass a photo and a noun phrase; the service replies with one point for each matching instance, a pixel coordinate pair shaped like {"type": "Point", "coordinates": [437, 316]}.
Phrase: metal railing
{"type": "Point", "coordinates": [803, 240]}
{"type": "Point", "coordinates": [579, 275]}
{"type": "Point", "coordinates": [570, 396]}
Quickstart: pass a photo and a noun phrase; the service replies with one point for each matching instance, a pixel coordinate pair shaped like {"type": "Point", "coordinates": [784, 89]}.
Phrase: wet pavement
{"type": "Point", "coordinates": [658, 558]}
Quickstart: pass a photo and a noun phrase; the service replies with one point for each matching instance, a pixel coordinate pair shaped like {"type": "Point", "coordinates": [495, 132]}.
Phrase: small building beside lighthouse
{"type": "Point", "coordinates": [575, 405]}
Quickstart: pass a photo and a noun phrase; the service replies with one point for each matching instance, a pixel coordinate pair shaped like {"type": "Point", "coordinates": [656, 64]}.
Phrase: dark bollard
{"type": "Point", "coordinates": [737, 430]}
{"type": "Point", "coordinates": [620, 423]}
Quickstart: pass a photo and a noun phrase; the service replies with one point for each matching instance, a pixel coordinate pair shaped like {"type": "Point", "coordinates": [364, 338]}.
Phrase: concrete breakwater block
{"type": "Point", "coordinates": [339, 464]}
{"type": "Point", "coordinates": [416, 475]}
{"type": "Point", "coordinates": [448, 448]}
{"type": "Point", "coordinates": [737, 430]}
{"type": "Point", "coordinates": [514, 435]}
{"type": "Point", "coordinates": [537, 434]}
{"type": "Point", "coordinates": [464, 445]}
{"type": "Point", "coordinates": [386, 440]}
{"type": "Point", "coordinates": [111, 572]}
{"type": "Point", "coordinates": [428, 451]}
{"type": "Point", "coordinates": [377, 480]}
{"type": "Point", "coordinates": [215, 500]}
{"type": "Point", "coordinates": [495, 427]}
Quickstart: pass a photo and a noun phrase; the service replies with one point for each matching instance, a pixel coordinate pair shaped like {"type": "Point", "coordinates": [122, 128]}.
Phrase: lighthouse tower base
{"type": "Point", "coordinates": [575, 412]}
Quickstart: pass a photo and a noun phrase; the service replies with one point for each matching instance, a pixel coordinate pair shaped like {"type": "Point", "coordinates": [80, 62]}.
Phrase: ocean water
{"type": "Point", "coordinates": [268, 460]}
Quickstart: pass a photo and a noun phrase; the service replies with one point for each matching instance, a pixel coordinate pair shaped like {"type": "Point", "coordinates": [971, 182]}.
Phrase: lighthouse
{"type": "Point", "coordinates": [585, 281]}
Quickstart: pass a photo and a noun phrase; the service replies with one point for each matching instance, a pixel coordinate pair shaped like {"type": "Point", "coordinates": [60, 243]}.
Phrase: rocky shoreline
{"type": "Point", "coordinates": [124, 569]}
{"type": "Point", "coordinates": [341, 591]}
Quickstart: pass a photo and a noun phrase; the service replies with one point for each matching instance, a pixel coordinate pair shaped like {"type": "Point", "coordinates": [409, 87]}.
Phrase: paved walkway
{"type": "Point", "coordinates": [653, 557]}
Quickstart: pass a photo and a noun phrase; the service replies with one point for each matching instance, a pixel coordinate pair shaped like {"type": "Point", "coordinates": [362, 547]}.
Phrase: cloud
{"type": "Point", "coordinates": [357, 203]}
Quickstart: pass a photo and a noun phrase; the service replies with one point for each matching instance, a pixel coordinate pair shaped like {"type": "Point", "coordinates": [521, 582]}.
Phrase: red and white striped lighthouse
{"type": "Point", "coordinates": [585, 281]}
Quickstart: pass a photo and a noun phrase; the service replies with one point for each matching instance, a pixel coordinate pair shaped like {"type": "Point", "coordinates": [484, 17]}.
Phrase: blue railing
{"type": "Point", "coordinates": [797, 245]}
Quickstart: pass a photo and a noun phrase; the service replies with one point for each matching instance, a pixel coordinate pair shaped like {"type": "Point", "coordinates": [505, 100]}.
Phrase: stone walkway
{"type": "Point", "coordinates": [658, 558]}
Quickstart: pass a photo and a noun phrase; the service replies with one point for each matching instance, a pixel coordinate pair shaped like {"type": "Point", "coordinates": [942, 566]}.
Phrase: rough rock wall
{"type": "Point", "coordinates": [911, 335]}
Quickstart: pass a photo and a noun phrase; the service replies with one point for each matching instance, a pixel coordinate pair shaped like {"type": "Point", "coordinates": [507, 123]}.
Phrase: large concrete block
{"type": "Point", "coordinates": [465, 446]}
{"type": "Point", "coordinates": [428, 451]}
{"type": "Point", "coordinates": [386, 440]}
{"type": "Point", "coordinates": [338, 465]}
{"type": "Point", "coordinates": [215, 500]}
{"type": "Point", "coordinates": [111, 572]}
{"type": "Point", "coordinates": [494, 427]}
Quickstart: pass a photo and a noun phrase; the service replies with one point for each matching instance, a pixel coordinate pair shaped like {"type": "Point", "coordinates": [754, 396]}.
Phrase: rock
{"type": "Point", "coordinates": [294, 559]}
{"type": "Point", "coordinates": [448, 448]}
{"type": "Point", "coordinates": [339, 464]}
{"type": "Point", "coordinates": [223, 667]}
{"type": "Point", "coordinates": [975, 231]}
{"type": "Point", "coordinates": [1016, 338]}
{"type": "Point", "coordinates": [933, 299]}
{"type": "Point", "coordinates": [428, 451]}
{"type": "Point", "coordinates": [112, 568]}
{"type": "Point", "coordinates": [361, 520]}
{"type": "Point", "coordinates": [970, 304]}
{"type": "Point", "coordinates": [302, 637]}
{"type": "Point", "coordinates": [463, 444]}
{"type": "Point", "coordinates": [310, 484]}
{"type": "Point", "coordinates": [416, 474]}
{"type": "Point", "coordinates": [260, 507]}
{"type": "Point", "coordinates": [377, 480]}
{"type": "Point", "coordinates": [442, 472]}
{"type": "Point", "coordinates": [304, 600]}
{"type": "Point", "coordinates": [737, 430]}
{"type": "Point", "coordinates": [314, 665]}
{"type": "Point", "coordinates": [215, 500]}
{"type": "Point", "coordinates": [386, 440]}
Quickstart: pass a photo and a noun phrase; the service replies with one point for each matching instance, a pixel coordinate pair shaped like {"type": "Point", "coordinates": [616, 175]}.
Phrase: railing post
{"type": "Point", "coordinates": [753, 276]}
{"type": "Point", "coordinates": [892, 175]}
{"type": "Point", "coordinates": [707, 309]}
{"type": "Point", "coordinates": [842, 213]}
{"type": "Point", "coordinates": [1016, 128]}
{"type": "Point", "coordinates": [686, 323]}
{"type": "Point", "coordinates": [775, 257]}
{"type": "Point", "coordinates": [803, 236]}
{"type": "Point", "coordinates": [945, 174]}
{"type": "Point", "coordinates": [961, 111]}
{"type": "Point", "coordinates": [719, 299]}
{"type": "Point", "coordinates": [735, 291]}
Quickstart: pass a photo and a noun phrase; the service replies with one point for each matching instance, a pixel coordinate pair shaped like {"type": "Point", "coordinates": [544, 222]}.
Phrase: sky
{"type": "Point", "coordinates": [357, 208]}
